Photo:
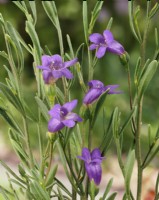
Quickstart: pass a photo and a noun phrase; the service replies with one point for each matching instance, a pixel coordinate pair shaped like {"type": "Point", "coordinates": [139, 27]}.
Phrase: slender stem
{"type": "Point", "coordinates": [28, 142]}
{"type": "Point", "coordinates": [90, 135]}
{"type": "Point", "coordinates": [148, 153]}
{"type": "Point", "coordinates": [50, 158]}
{"type": "Point", "coordinates": [143, 45]}
{"type": "Point", "coordinates": [139, 114]}
{"type": "Point", "coordinates": [65, 87]}
{"type": "Point", "coordinates": [120, 156]}
{"type": "Point", "coordinates": [87, 188]}
{"type": "Point", "coordinates": [121, 164]}
{"type": "Point", "coordinates": [129, 84]}
{"type": "Point", "coordinates": [74, 194]}
{"type": "Point", "coordinates": [90, 65]}
{"type": "Point", "coordinates": [130, 96]}
{"type": "Point", "coordinates": [138, 150]}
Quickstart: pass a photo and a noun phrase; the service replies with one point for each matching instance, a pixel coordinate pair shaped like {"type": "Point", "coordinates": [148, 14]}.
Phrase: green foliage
{"type": "Point", "coordinates": [38, 177]}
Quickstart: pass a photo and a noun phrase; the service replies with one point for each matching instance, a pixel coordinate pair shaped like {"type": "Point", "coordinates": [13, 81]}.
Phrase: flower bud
{"type": "Point", "coordinates": [124, 58]}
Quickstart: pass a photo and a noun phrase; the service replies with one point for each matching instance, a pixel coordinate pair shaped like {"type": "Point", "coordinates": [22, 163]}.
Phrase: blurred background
{"type": "Point", "coordinates": [109, 69]}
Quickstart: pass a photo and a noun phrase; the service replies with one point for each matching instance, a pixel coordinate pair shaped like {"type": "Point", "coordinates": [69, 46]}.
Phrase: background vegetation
{"type": "Point", "coordinates": [109, 69]}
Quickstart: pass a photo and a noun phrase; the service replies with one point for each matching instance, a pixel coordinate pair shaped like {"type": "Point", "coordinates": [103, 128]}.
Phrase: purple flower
{"type": "Point", "coordinates": [97, 88]}
{"type": "Point", "coordinates": [105, 43]}
{"type": "Point", "coordinates": [62, 116]}
{"type": "Point", "coordinates": [92, 162]}
{"type": "Point", "coordinates": [53, 68]}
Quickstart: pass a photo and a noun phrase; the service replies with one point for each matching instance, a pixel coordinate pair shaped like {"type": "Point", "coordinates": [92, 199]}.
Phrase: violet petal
{"type": "Point", "coordinates": [70, 105]}
{"type": "Point", "coordinates": [55, 111]}
{"type": "Point", "coordinates": [92, 95]}
{"type": "Point", "coordinates": [47, 76]}
{"type": "Point", "coordinates": [74, 117]}
{"type": "Point", "coordinates": [57, 73]}
{"type": "Point", "coordinates": [57, 60]}
{"type": "Point", "coordinates": [46, 60]}
{"type": "Point", "coordinates": [94, 172]}
{"type": "Point", "coordinates": [69, 123]}
{"type": "Point", "coordinates": [96, 38]}
{"type": "Point", "coordinates": [43, 67]}
{"type": "Point", "coordinates": [86, 155]}
{"type": "Point", "coordinates": [108, 37]}
{"type": "Point", "coordinates": [70, 63]}
{"type": "Point", "coordinates": [101, 51]}
{"type": "Point", "coordinates": [93, 46]}
{"type": "Point", "coordinates": [112, 89]}
{"type": "Point", "coordinates": [55, 125]}
{"type": "Point", "coordinates": [95, 153]}
{"type": "Point", "coordinates": [66, 73]}
{"type": "Point", "coordinates": [116, 48]}
{"type": "Point", "coordinates": [95, 84]}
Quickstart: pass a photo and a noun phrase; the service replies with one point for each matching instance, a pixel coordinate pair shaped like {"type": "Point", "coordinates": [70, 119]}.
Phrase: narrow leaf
{"type": "Point", "coordinates": [95, 14]}
{"type": "Point", "coordinates": [37, 189]}
{"type": "Point", "coordinates": [115, 124]}
{"type": "Point", "coordinates": [127, 121]}
{"type": "Point", "coordinates": [48, 7]}
{"type": "Point", "coordinates": [51, 176]}
{"type": "Point", "coordinates": [13, 98]}
{"type": "Point", "coordinates": [85, 21]}
{"type": "Point", "coordinates": [107, 189]}
{"type": "Point", "coordinates": [11, 172]}
{"type": "Point", "coordinates": [109, 25]}
{"type": "Point", "coordinates": [112, 196]}
{"type": "Point", "coordinates": [42, 107]}
{"type": "Point", "coordinates": [99, 105]}
{"type": "Point", "coordinates": [10, 120]}
{"type": "Point", "coordinates": [146, 78]}
{"type": "Point", "coordinates": [129, 169]}
{"type": "Point", "coordinates": [13, 34]}
{"type": "Point", "coordinates": [154, 10]}
{"type": "Point", "coordinates": [131, 19]}
{"type": "Point", "coordinates": [30, 29]}
{"type": "Point", "coordinates": [33, 9]}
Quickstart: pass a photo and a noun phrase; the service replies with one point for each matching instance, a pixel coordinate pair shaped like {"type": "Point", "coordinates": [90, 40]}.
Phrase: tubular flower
{"type": "Point", "coordinates": [53, 68]}
{"type": "Point", "coordinates": [105, 43]}
{"type": "Point", "coordinates": [97, 88]}
{"type": "Point", "coordinates": [92, 161]}
{"type": "Point", "coordinates": [62, 116]}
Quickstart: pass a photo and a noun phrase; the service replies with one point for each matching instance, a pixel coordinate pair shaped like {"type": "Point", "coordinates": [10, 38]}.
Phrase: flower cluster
{"type": "Point", "coordinates": [54, 68]}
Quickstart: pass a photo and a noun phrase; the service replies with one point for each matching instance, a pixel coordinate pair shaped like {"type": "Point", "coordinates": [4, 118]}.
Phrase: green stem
{"type": "Point", "coordinates": [148, 153]}
{"type": "Point", "coordinates": [90, 135]}
{"type": "Point", "coordinates": [121, 164]}
{"type": "Point", "coordinates": [139, 114]}
{"type": "Point", "coordinates": [130, 96]}
{"type": "Point", "coordinates": [74, 194]}
{"type": "Point", "coordinates": [138, 150]}
{"type": "Point", "coordinates": [90, 66]}
{"type": "Point", "coordinates": [28, 142]}
{"type": "Point", "coordinates": [50, 159]}
{"type": "Point", "coordinates": [87, 189]}
{"type": "Point", "coordinates": [143, 45]}
{"type": "Point", "coordinates": [120, 156]}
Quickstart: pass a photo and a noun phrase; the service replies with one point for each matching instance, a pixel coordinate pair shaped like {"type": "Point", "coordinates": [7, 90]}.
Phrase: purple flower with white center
{"type": "Point", "coordinates": [92, 161]}
{"type": "Point", "coordinates": [96, 89]}
{"type": "Point", "coordinates": [105, 43]}
{"type": "Point", "coordinates": [62, 116]}
{"type": "Point", "coordinates": [53, 68]}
